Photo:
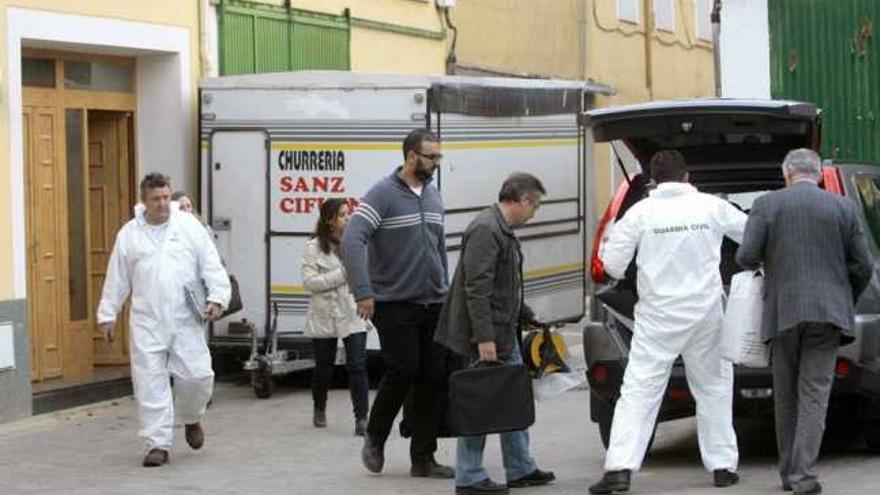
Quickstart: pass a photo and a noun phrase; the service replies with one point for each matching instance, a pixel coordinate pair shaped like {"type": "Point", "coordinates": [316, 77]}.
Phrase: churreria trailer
{"type": "Point", "coordinates": [275, 145]}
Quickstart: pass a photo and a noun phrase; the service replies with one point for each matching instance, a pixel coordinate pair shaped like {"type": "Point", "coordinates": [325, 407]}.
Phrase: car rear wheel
{"type": "Point", "coordinates": [872, 435]}
{"type": "Point", "coordinates": [604, 421]}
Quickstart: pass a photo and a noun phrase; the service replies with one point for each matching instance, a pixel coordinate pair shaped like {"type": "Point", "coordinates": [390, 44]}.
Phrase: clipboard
{"type": "Point", "coordinates": [196, 299]}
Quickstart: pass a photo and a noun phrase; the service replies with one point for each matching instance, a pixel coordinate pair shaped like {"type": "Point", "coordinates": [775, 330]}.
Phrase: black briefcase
{"type": "Point", "coordinates": [490, 398]}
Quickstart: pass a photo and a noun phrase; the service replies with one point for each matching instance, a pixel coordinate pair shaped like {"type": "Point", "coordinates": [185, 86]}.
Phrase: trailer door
{"type": "Point", "coordinates": [237, 212]}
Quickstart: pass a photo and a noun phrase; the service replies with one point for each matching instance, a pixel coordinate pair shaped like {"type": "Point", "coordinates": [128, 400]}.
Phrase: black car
{"type": "Point", "coordinates": [734, 149]}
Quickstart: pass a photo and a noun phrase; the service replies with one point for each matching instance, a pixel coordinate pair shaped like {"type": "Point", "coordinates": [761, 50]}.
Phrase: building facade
{"type": "Point", "coordinates": [665, 54]}
{"type": "Point", "coordinates": [389, 36]}
{"type": "Point", "coordinates": [94, 93]}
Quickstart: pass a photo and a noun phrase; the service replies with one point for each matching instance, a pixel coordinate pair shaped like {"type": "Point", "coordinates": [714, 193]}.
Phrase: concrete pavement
{"type": "Point", "coordinates": [269, 446]}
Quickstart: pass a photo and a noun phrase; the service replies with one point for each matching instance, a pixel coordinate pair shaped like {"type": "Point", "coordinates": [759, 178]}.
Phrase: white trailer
{"type": "Point", "coordinates": [273, 146]}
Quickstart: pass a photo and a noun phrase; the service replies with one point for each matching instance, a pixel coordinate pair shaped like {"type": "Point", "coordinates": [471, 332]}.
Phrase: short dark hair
{"type": "Point", "coordinates": [668, 166]}
{"type": "Point", "coordinates": [154, 180]}
{"type": "Point", "coordinates": [520, 184]}
{"type": "Point", "coordinates": [414, 140]}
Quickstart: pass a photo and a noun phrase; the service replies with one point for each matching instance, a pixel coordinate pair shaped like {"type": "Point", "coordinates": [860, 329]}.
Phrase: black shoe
{"type": "Point", "coordinates": [536, 478]}
{"type": "Point", "coordinates": [360, 427]}
{"type": "Point", "coordinates": [817, 488]}
{"type": "Point", "coordinates": [372, 455]}
{"type": "Point", "coordinates": [786, 487]}
{"type": "Point", "coordinates": [485, 486]}
{"type": "Point", "coordinates": [612, 481]}
{"type": "Point", "coordinates": [725, 477]}
{"type": "Point", "coordinates": [431, 469]}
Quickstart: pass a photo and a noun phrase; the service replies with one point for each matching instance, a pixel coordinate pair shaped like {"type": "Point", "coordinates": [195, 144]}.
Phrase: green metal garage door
{"type": "Point", "coordinates": [826, 52]}
{"type": "Point", "coordinates": [257, 38]}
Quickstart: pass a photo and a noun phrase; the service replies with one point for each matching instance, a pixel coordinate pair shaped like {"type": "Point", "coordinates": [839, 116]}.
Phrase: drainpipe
{"type": "Point", "coordinates": [582, 40]}
{"type": "Point", "coordinates": [648, 12]}
{"type": "Point", "coordinates": [716, 44]}
{"type": "Point", "coordinates": [451, 59]}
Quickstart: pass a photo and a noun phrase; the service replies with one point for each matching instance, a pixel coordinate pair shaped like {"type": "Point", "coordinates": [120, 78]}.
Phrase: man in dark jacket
{"type": "Point", "coordinates": [816, 264]}
{"type": "Point", "coordinates": [482, 318]}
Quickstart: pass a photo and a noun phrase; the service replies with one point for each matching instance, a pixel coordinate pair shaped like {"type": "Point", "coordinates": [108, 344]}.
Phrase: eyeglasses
{"type": "Point", "coordinates": [434, 157]}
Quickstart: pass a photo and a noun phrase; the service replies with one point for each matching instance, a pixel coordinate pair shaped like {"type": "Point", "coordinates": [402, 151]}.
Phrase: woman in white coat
{"type": "Point", "coordinates": [333, 315]}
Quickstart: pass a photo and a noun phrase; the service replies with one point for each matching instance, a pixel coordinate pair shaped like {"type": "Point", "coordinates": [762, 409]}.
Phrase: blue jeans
{"type": "Point", "coordinates": [514, 451]}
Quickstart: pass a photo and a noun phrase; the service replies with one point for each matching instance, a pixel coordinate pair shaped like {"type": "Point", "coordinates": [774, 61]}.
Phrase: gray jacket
{"type": "Point", "coordinates": [485, 300]}
{"type": "Point", "coordinates": [394, 247]}
{"type": "Point", "coordinates": [816, 261]}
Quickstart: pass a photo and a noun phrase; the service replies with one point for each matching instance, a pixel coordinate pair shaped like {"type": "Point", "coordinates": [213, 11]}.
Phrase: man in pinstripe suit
{"type": "Point", "coordinates": [816, 264]}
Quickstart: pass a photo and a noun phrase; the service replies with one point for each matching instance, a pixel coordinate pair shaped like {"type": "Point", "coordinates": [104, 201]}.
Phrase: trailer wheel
{"type": "Point", "coordinates": [261, 379]}
{"type": "Point", "coordinates": [263, 385]}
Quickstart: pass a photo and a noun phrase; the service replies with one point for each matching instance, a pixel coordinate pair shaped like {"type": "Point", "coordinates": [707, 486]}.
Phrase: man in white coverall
{"type": "Point", "coordinates": [676, 236]}
{"type": "Point", "coordinates": [160, 255]}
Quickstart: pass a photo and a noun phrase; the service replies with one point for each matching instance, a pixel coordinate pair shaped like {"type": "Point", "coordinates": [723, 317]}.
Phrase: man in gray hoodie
{"type": "Point", "coordinates": [394, 252]}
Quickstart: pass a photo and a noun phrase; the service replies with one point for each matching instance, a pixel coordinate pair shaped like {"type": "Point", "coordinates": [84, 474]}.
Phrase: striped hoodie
{"type": "Point", "coordinates": [394, 248]}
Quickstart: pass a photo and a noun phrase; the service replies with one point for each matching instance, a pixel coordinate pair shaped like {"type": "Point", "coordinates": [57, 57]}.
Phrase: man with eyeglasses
{"type": "Point", "coordinates": [394, 252]}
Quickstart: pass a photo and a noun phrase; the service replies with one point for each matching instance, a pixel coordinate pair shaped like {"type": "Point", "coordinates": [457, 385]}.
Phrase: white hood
{"type": "Point", "coordinates": [140, 211]}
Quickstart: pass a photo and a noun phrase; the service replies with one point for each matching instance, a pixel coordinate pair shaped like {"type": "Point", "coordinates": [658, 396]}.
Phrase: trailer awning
{"type": "Point", "coordinates": [489, 101]}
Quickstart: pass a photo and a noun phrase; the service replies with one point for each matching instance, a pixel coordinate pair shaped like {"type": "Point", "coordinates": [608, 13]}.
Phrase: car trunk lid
{"type": "Point", "coordinates": [730, 145]}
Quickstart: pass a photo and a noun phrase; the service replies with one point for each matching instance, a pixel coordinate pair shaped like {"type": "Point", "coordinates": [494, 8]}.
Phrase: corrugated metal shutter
{"type": "Point", "coordinates": [258, 38]}
{"type": "Point", "coordinates": [825, 51]}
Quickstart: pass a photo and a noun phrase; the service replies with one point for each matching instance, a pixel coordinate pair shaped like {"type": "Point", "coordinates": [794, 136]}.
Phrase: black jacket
{"type": "Point", "coordinates": [485, 300]}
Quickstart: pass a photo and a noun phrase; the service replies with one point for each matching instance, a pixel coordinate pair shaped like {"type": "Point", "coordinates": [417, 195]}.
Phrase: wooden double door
{"type": "Point", "coordinates": [80, 191]}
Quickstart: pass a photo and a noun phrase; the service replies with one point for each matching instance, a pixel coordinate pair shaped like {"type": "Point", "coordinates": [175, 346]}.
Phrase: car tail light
{"type": "Point", "coordinates": [600, 373]}
{"type": "Point", "coordinates": [843, 368]}
{"type": "Point", "coordinates": [597, 269]}
{"type": "Point", "coordinates": [831, 180]}
{"type": "Point", "coordinates": [679, 394]}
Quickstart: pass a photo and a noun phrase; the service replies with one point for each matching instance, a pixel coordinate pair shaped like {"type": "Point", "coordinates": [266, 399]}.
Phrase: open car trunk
{"type": "Point", "coordinates": [733, 148]}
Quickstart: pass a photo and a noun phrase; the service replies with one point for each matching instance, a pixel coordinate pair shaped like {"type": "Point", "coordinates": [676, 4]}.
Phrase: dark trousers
{"type": "Point", "coordinates": [406, 333]}
{"type": "Point", "coordinates": [803, 372]}
{"type": "Point", "coordinates": [355, 364]}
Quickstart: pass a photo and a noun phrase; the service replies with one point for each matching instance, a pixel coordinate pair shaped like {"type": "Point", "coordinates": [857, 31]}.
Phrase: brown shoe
{"type": "Point", "coordinates": [156, 458]}
{"type": "Point", "coordinates": [195, 436]}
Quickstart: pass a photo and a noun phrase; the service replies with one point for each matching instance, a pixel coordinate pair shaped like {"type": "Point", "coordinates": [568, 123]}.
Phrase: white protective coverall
{"type": "Point", "coordinates": [165, 335]}
{"type": "Point", "coordinates": [677, 233]}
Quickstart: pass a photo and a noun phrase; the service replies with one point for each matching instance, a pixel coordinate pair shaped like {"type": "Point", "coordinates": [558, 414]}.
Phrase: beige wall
{"type": "Point", "coordinates": [522, 35]}
{"type": "Point", "coordinates": [179, 13]}
{"type": "Point", "coordinates": [377, 51]}
{"type": "Point", "coordinates": [681, 66]}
